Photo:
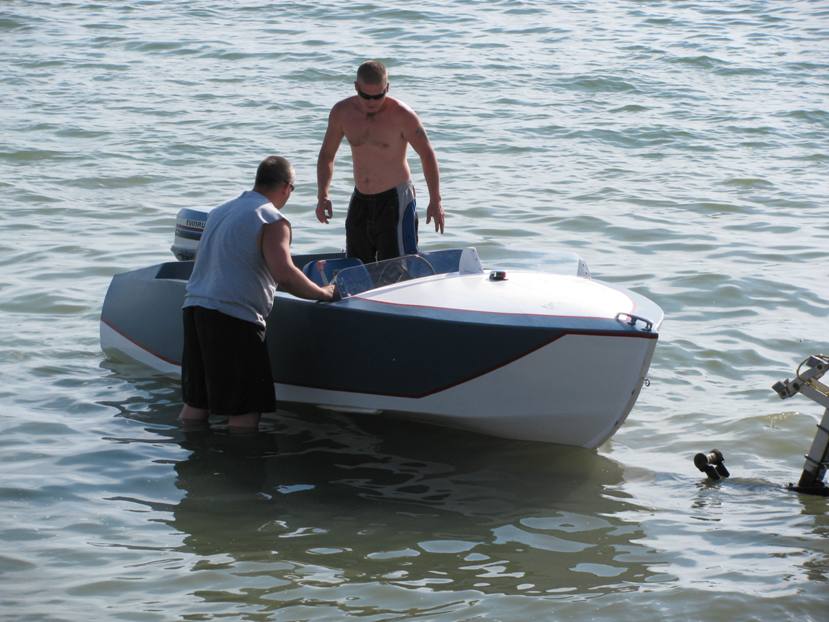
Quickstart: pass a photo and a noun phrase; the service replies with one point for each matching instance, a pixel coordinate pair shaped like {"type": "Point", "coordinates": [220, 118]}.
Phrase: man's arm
{"type": "Point", "coordinates": [325, 164]}
{"type": "Point", "coordinates": [276, 248]}
{"type": "Point", "coordinates": [415, 134]}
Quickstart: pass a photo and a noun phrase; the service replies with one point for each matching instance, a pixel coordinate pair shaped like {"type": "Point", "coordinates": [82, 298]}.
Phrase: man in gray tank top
{"type": "Point", "coordinates": [244, 252]}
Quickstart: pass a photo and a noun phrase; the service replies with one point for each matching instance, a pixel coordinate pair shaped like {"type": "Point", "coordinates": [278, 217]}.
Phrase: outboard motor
{"type": "Point", "coordinates": [189, 226]}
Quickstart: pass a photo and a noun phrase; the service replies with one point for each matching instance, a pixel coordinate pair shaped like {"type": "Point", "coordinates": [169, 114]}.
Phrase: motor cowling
{"type": "Point", "coordinates": [189, 227]}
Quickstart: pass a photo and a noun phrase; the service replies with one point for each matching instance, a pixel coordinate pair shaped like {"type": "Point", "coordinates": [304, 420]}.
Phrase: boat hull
{"type": "Point", "coordinates": [566, 380]}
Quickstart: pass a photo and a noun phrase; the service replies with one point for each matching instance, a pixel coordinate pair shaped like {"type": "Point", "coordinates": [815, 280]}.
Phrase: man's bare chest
{"type": "Point", "coordinates": [379, 133]}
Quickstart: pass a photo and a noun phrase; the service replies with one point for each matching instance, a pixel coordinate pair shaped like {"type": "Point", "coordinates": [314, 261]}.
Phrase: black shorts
{"type": "Point", "coordinates": [225, 366]}
{"type": "Point", "coordinates": [381, 226]}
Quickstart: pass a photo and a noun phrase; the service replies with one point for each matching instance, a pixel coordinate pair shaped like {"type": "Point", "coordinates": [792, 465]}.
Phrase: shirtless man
{"type": "Point", "coordinates": [381, 221]}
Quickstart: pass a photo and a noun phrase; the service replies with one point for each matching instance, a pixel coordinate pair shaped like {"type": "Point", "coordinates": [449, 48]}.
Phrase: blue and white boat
{"type": "Point", "coordinates": [552, 356]}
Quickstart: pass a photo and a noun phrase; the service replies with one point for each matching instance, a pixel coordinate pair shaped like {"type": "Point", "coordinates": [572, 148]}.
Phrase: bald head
{"type": "Point", "coordinates": [372, 72]}
{"type": "Point", "coordinates": [274, 171]}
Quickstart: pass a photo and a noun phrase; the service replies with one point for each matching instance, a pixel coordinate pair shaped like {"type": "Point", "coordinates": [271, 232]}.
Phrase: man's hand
{"type": "Point", "coordinates": [435, 210]}
{"type": "Point", "coordinates": [329, 292]}
{"type": "Point", "coordinates": [324, 209]}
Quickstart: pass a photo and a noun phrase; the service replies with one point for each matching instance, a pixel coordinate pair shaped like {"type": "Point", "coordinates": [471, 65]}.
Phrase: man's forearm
{"type": "Point", "coordinates": [325, 173]}
{"type": "Point", "coordinates": [432, 175]}
{"type": "Point", "coordinates": [296, 283]}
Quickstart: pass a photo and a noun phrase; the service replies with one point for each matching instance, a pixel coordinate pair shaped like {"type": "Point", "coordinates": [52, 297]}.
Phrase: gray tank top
{"type": "Point", "coordinates": [230, 274]}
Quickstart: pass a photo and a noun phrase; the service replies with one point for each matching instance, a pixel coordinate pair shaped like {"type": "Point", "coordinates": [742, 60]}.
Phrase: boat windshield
{"type": "Point", "coordinates": [358, 279]}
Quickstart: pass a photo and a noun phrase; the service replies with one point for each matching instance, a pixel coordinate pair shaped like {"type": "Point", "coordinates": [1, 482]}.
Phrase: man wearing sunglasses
{"type": "Point", "coordinates": [244, 252]}
{"type": "Point", "coordinates": [382, 220]}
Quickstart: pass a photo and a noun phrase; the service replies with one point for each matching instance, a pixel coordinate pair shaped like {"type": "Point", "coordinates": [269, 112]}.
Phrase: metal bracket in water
{"type": "Point", "coordinates": [808, 383]}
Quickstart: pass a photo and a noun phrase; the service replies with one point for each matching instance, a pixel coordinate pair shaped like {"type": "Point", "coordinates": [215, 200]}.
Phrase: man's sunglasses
{"type": "Point", "coordinates": [378, 96]}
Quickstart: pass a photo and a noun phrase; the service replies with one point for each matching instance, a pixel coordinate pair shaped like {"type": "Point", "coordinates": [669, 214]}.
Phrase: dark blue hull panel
{"type": "Point", "coordinates": [338, 347]}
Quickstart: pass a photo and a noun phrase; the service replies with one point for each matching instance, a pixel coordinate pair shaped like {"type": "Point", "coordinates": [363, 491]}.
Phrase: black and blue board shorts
{"type": "Point", "coordinates": [225, 366]}
{"type": "Point", "coordinates": [382, 226]}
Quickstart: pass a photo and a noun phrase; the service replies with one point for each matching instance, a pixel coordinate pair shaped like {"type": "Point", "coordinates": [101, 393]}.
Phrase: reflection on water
{"type": "Point", "coordinates": [679, 147]}
{"type": "Point", "coordinates": [323, 498]}
{"type": "Point", "coordinates": [358, 514]}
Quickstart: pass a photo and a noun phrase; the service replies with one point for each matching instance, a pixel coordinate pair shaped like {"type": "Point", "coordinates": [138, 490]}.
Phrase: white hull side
{"type": "Point", "coordinates": [576, 391]}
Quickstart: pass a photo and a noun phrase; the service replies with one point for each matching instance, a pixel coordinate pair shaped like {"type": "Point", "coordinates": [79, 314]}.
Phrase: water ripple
{"type": "Point", "coordinates": [679, 148]}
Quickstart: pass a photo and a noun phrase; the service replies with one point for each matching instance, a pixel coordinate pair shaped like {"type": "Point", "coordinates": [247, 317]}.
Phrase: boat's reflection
{"type": "Point", "coordinates": [374, 499]}
{"type": "Point", "coordinates": [414, 504]}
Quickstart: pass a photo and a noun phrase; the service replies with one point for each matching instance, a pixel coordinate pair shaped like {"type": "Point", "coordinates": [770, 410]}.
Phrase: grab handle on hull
{"type": "Point", "coordinates": [634, 321]}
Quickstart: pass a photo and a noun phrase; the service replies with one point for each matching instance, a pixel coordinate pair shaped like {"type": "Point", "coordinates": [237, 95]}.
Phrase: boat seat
{"type": "Point", "coordinates": [443, 261]}
{"type": "Point", "coordinates": [323, 271]}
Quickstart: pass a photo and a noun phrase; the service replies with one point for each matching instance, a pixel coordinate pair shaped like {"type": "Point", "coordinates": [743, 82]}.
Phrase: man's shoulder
{"type": "Point", "coordinates": [249, 202]}
{"type": "Point", "coordinates": [400, 105]}
{"type": "Point", "coordinates": [227, 205]}
{"type": "Point", "coordinates": [247, 198]}
{"type": "Point", "coordinates": [344, 105]}
{"type": "Point", "coordinates": [402, 112]}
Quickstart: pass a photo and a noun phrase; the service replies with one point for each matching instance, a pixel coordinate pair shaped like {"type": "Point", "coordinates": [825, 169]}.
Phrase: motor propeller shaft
{"type": "Point", "coordinates": [712, 464]}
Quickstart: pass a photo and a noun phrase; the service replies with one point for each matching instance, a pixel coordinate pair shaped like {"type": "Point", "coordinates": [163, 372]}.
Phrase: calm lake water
{"type": "Point", "coordinates": [679, 147]}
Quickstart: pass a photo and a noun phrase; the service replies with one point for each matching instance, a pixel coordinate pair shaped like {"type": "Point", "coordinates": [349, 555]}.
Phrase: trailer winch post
{"type": "Point", "coordinates": [808, 383]}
